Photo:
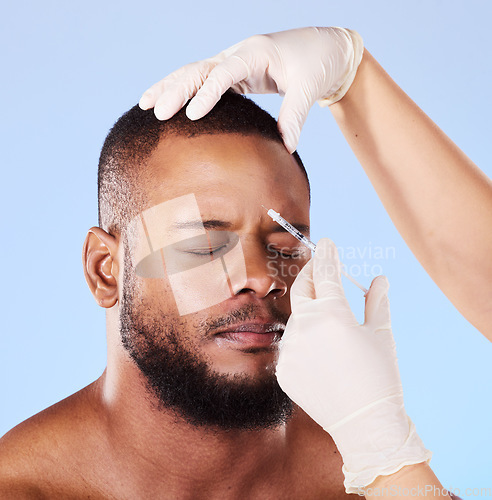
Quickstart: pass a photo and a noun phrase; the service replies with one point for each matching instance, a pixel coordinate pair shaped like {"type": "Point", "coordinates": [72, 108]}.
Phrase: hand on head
{"type": "Point", "coordinates": [304, 65]}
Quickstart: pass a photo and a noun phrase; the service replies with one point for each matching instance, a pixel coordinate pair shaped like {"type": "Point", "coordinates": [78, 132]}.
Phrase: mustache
{"type": "Point", "coordinates": [246, 313]}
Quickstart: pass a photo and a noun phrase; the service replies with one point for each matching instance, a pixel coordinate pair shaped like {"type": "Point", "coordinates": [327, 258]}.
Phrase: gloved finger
{"type": "Point", "coordinates": [292, 116]}
{"type": "Point", "coordinates": [328, 282]}
{"type": "Point", "coordinates": [302, 289]}
{"type": "Point", "coordinates": [222, 77]}
{"type": "Point", "coordinates": [377, 310]}
{"type": "Point", "coordinates": [179, 91]}
{"type": "Point", "coordinates": [149, 97]}
{"type": "Point", "coordinates": [152, 94]}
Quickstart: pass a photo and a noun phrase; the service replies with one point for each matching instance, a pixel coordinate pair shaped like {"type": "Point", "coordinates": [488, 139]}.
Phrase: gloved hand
{"type": "Point", "coordinates": [345, 375]}
{"type": "Point", "coordinates": [305, 65]}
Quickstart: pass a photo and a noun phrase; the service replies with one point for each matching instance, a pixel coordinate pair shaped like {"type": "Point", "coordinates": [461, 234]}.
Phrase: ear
{"type": "Point", "coordinates": [99, 257]}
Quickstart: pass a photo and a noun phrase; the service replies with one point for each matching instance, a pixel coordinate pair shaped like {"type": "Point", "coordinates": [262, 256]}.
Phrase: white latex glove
{"type": "Point", "coordinates": [305, 65]}
{"type": "Point", "coordinates": [345, 375]}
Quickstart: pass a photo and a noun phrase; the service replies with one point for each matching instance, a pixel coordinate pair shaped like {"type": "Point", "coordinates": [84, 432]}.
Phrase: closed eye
{"type": "Point", "coordinates": [295, 254]}
{"type": "Point", "coordinates": [204, 251]}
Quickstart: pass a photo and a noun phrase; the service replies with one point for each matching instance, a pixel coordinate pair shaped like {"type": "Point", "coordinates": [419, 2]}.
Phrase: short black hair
{"type": "Point", "coordinates": [137, 133]}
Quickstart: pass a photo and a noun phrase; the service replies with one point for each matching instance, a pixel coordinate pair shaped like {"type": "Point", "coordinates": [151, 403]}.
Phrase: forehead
{"type": "Point", "coordinates": [227, 169]}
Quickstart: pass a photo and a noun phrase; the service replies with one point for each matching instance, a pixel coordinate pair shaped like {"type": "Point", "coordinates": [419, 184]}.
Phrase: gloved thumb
{"type": "Point", "coordinates": [326, 268]}
{"type": "Point", "coordinates": [292, 116]}
{"type": "Point", "coordinates": [328, 282]}
{"type": "Point", "coordinates": [302, 289]}
{"type": "Point", "coordinates": [377, 311]}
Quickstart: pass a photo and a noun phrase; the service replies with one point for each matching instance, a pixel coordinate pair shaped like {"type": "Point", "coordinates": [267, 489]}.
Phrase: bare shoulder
{"type": "Point", "coordinates": [39, 455]}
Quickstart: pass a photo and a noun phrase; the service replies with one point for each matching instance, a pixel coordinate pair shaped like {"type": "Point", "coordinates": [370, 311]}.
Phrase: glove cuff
{"type": "Point", "coordinates": [362, 468]}
{"type": "Point", "coordinates": [357, 52]}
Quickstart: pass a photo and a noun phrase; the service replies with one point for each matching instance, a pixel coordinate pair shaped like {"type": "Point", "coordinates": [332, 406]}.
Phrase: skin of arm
{"type": "Point", "coordinates": [412, 480]}
{"type": "Point", "coordinates": [438, 199]}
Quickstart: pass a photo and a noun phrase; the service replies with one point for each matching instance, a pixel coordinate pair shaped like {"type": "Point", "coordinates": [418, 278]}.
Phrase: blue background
{"type": "Point", "coordinates": [70, 69]}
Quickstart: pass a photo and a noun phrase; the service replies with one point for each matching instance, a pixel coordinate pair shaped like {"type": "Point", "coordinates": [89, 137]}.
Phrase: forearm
{"type": "Point", "coordinates": [440, 202]}
{"type": "Point", "coordinates": [411, 481]}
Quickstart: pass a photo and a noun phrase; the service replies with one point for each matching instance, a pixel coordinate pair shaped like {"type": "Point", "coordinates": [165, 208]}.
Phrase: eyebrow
{"type": "Point", "coordinates": [207, 224]}
{"type": "Point", "coordinates": [222, 224]}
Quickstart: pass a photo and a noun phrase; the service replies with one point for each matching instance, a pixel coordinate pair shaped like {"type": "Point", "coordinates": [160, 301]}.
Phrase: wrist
{"type": "Point", "coordinates": [378, 442]}
{"type": "Point", "coordinates": [356, 51]}
{"type": "Point", "coordinates": [416, 480]}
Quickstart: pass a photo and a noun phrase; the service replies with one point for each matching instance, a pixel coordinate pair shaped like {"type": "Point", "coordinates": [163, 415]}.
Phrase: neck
{"type": "Point", "coordinates": [185, 457]}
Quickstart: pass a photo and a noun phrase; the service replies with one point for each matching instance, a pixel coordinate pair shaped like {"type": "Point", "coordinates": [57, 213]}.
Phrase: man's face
{"type": "Point", "coordinates": [215, 366]}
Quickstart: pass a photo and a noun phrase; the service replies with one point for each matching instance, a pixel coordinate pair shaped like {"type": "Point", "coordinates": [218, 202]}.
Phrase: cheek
{"type": "Point", "coordinates": [155, 307]}
{"type": "Point", "coordinates": [286, 269]}
{"type": "Point", "coordinates": [155, 296]}
{"type": "Point", "coordinates": [192, 278]}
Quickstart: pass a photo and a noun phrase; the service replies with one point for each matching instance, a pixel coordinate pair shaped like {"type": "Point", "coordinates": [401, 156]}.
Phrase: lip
{"type": "Point", "coordinates": [256, 334]}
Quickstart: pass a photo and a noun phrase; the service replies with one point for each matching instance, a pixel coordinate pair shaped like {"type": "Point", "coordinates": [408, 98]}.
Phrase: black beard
{"type": "Point", "coordinates": [181, 382]}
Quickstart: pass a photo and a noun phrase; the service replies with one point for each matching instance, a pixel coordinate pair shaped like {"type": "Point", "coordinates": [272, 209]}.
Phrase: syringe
{"type": "Point", "coordinates": [297, 234]}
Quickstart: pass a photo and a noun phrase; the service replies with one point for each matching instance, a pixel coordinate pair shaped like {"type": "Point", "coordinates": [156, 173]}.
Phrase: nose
{"type": "Point", "coordinates": [262, 275]}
